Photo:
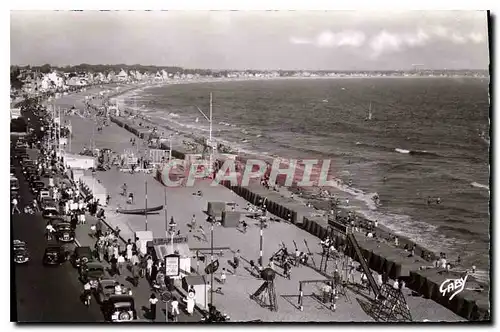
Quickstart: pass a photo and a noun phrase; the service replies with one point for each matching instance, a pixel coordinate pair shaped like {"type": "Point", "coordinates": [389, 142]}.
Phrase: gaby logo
{"type": "Point", "coordinates": [452, 286]}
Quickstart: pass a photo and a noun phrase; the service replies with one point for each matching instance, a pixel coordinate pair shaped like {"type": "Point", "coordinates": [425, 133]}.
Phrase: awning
{"type": "Point", "coordinates": [163, 250]}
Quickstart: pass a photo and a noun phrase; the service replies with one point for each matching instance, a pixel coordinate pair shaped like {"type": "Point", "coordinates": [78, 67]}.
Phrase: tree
{"type": "Point", "coordinates": [14, 77]}
{"type": "Point", "coordinates": [45, 69]}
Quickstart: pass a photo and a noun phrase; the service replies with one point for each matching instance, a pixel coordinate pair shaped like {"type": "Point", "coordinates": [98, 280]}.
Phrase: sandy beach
{"type": "Point", "coordinates": [182, 204]}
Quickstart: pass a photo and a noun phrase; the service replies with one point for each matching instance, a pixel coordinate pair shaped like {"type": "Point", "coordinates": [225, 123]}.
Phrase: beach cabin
{"type": "Point", "coordinates": [201, 286]}
{"type": "Point", "coordinates": [162, 247]}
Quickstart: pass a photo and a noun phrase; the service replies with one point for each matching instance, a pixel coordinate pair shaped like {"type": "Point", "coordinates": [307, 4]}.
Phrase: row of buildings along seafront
{"type": "Point", "coordinates": [60, 80]}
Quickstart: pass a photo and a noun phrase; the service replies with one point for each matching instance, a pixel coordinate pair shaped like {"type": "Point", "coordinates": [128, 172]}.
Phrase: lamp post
{"type": "Point", "coordinates": [166, 219]}
{"type": "Point", "coordinates": [170, 147]}
{"type": "Point", "coordinates": [212, 262]}
{"type": "Point", "coordinates": [146, 203]}
{"type": "Point", "coordinates": [171, 229]}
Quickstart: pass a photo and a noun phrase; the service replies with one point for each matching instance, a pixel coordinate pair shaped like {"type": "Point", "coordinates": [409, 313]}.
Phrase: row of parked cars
{"type": "Point", "coordinates": [116, 307]}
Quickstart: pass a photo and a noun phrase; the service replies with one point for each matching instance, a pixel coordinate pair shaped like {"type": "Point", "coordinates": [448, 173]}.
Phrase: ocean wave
{"type": "Point", "coordinates": [459, 230]}
{"type": "Point", "coordinates": [479, 185]}
{"type": "Point", "coordinates": [417, 152]}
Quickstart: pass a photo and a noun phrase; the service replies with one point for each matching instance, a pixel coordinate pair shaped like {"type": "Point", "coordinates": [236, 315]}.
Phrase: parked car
{"type": "Point", "coordinates": [52, 214]}
{"type": "Point", "coordinates": [48, 203]}
{"type": "Point", "coordinates": [36, 187]}
{"type": "Point", "coordinates": [81, 254]}
{"type": "Point", "coordinates": [21, 254]}
{"type": "Point", "coordinates": [119, 308]}
{"type": "Point", "coordinates": [14, 183]}
{"type": "Point", "coordinates": [54, 255]}
{"type": "Point", "coordinates": [42, 193]}
{"type": "Point", "coordinates": [92, 272]}
{"type": "Point", "coordinates": [105, 289]}
{"type": "Point", "coordinates": [64, 231]}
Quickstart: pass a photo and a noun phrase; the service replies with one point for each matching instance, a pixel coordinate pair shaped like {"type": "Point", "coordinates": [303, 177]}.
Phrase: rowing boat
{"type": "Point", "coordinates": [141, 211]}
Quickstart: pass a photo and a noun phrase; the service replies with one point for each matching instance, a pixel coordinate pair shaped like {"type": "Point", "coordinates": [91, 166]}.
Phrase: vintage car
{"type": "Point", "coordinates": [21, 255]}
{"type": "Point", "coordinates": [48, 203]}
{"type": "Point", "coordinates": [81, 255]}
{"type": "Point", "coordinates": [64, 232]}
{"type": "Point", "coordinates": [119, 308]}
{"type": "Point", "coordinates": [14, 183]}
{"type": "Point", "coordinates": [92, 272]}
{"type": "Point", "coordinates": [105, 289]}
{"type": "Point", "coordinates": [36, 187]}
{"type": "Point", "coordinates": [54, 255]}
{"type": "Point", "coordinates": [51, 214]}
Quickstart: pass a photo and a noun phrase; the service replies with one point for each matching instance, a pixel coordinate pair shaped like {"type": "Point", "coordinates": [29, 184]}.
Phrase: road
{"type": "Point", "coordinates": [43, 294]}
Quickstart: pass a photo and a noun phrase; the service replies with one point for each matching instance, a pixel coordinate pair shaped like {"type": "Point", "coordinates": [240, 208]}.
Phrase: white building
{"type": "Point", "coordinates": [122, 76]}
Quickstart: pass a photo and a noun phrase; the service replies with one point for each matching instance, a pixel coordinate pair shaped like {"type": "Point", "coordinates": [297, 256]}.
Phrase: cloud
{"type": "Point", "coordinates": [388, 42]}
{"type": "Point", "coordinates": [328, 39]}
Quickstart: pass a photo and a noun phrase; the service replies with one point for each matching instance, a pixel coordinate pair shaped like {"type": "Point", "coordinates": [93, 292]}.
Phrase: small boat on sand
{"type": "Point", "coordinates": [141, 211]}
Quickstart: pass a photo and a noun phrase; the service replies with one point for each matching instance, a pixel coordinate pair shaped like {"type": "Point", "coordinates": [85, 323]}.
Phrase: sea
{"type": "Point", "coordinates": [427, 137]}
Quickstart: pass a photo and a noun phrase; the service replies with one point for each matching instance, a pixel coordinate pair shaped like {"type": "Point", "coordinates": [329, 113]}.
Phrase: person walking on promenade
{"type": "Point", "coordinates": [110, 252]}
{"type": "Point", "coordinates": [193, 223]}
{"type": "Point", "coordinates": [121, 264]}
{"type": "Point", "coordinates": [98, 228]}
{"type": "Point", "coordinates": [202, 231]}
{"type": "Point", "coordinates": [223, 276]}
{"type": "Point", "coordinates": [149, 267]}
{"type": "Point", "coordinates": [135, 274]}
{"type": "Point", "coordinates": [152, 306]}
{"type": "Point", "coordinates": [175, 308]}
{"type": "Point", "coordinates": [14, 206]}
{"type": "Point", "coordinates": [114, 268]}
{"type": "Point", "coordinates": [129, 249]}
{"type": "Point", "coordinates": [236, 260]}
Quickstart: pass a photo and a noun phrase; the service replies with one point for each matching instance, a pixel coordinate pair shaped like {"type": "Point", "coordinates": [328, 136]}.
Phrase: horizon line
{"type": "Point", "coordinates": [247, 69]}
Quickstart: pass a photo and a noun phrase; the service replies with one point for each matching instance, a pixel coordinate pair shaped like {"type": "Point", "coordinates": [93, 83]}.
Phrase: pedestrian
{"type": "Point", "coordinates": [236, 260]}
{"type": "Point", "coordinates": [138, 246]}
{"type": "Point", "coordinates": [100, 250]}
{"type": "Point", "coordinates": [110, 252]}
{"type": "Point", "coordinates": [149, 266]}
{"type": "Point", "coordinates": [14, 206]}
{"type": "Point", "coordinates": [114, 268]}
{"type": "Point", "coordinates": [135, 274]}
{"type": "Point", "coordinates": [129, 249]}
{"type": "Point", "coordinates": [152, 306]}
{"type": "Point", "coordinates": [193, 223]}
{"type": "Point", "coordinates": [98, 228]}
{"type": "Point", "coordinates": [202, 231]}
{"type": "Point", "coordinates": [154, 272]}
{"type": "Point", "coordinates": [223, 276]}
{"type": "Point", "coordinates": [121, 263]}
{"type": "Point", "coordinates": [175, 308]}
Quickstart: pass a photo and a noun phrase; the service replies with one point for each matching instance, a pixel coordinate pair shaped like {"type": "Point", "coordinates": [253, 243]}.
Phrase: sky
{"type": "Point", "coordinates": [288, 40]}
